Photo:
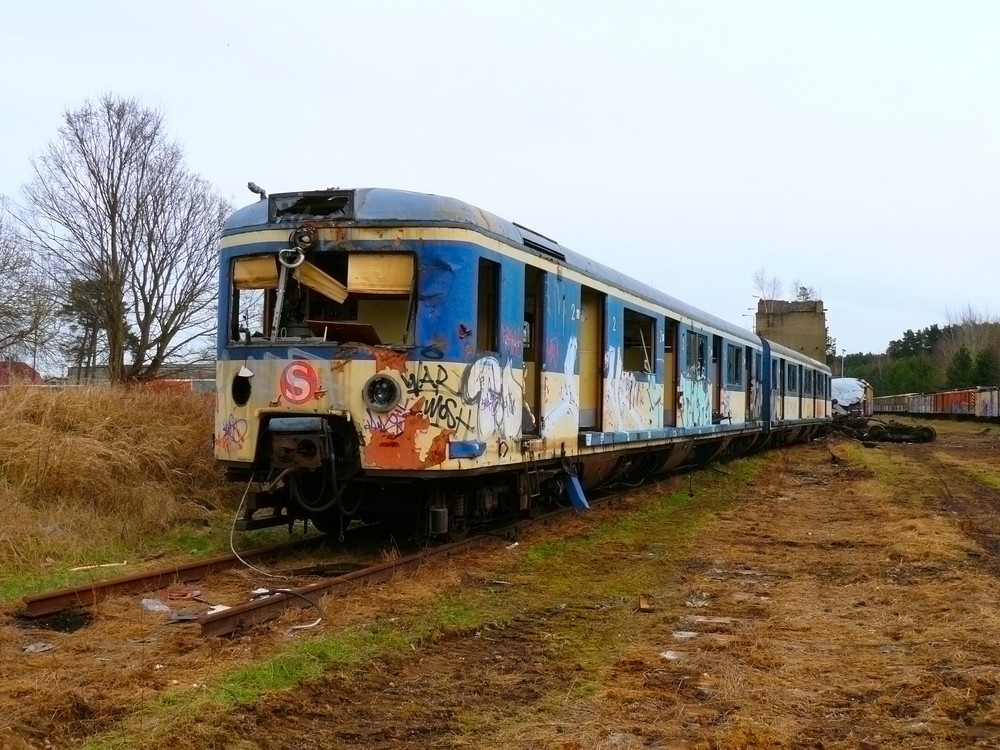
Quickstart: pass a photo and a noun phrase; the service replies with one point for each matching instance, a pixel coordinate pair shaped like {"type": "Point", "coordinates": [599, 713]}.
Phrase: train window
{"type": "Point", "coordinates": [639, 335]}
{"type": "Point", "coordinates": [696, 356]}
{"type": "Point", "coordinates": [775, 376]}
{"type": "Point", "coordinates": [734, 365]}
{"type": "Point", "coordinates": [791, 379]}
{"type": "Point", "coordinates": [488, 307]}
{"type": "Point", "coordinates": [807, 382]}
{"type": "Point", "coordinates": [254, 280]}
{"type": "Point", "coordinates": [336, 296]}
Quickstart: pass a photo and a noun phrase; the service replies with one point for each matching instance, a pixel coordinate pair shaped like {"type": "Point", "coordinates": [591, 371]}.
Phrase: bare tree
{"type": "Point", "coordinates": [768, 289]}
{"type": "Point", "coordinates": [26, 302]}
{"type": "Point", "coordinates": [113, 205]}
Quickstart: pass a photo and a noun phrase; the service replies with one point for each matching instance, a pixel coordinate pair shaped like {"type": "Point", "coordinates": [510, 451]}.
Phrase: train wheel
{"type": "Point", "coordinates": [458, 529]}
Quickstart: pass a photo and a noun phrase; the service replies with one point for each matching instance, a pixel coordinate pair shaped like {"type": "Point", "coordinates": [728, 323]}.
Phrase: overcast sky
{"type": "Point", "coordinates": [852, 146]}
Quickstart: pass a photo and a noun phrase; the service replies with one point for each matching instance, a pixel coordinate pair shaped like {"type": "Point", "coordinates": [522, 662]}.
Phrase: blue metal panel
{"type": "Point", "coordinates": [446, 294]}
{"type": "Point", "coordinates": [511, 311]}
{"type": "Point", "coordinates": [562, 323]}
{"type": "Point", "coordinates": [614, 338]}
{"type": "Point", "coordinates": [575, 492]}
{"type": "Point", "coordinates": [466, 449]}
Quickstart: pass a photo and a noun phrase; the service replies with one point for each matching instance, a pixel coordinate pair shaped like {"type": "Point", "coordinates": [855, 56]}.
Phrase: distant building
{"type": "Point", "coordinates": [798, 325]}
{"type": "Point", "coordinates": [12, 372]}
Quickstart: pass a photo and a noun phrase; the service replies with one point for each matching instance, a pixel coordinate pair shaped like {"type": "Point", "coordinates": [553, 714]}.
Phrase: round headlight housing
{"type": "Point", "coordinates": [381, 393]}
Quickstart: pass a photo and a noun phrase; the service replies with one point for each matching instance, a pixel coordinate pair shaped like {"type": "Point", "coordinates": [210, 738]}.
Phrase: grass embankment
{"type": "Point", "coordinates": [592, 573]}
{"type": "Point", "coordinates": [99, 475]}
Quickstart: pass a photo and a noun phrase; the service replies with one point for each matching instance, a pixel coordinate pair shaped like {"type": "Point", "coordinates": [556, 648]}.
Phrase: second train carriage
{"type": "Point", "coordinates": [371, 338]}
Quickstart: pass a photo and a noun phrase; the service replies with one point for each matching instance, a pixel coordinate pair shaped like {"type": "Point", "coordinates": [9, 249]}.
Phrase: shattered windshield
{"type": "Point", "coordinates": [356, 297]}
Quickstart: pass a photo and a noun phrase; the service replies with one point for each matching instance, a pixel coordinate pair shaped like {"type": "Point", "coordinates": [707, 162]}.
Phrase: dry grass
{"type": "Point", "coordinates": [101, 468]}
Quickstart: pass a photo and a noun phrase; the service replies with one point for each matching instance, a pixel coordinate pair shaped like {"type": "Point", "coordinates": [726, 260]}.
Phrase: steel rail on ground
{"type": "Point", "coordinates": [87, 594]}
{"type": "Point", "coordinates": [244, 616]}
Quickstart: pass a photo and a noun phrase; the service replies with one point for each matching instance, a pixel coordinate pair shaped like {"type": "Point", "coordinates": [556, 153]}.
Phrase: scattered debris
{"type": "Point", "coordinates": [870, 430]}
{"type": "Point", "coordinates": [646, 603]}
{"type": "Point", "coordinates": [155, 605]}
{"type": "Point", "coordinates": [672, 655]}
{"type": "Point", "coordinates": [104, 565]}
{"type": "Point", "coordinates": [710, 620]}
{"type": "Point", "coordinates": [181, 593]}
{"type": "Point", "coordinates": [183, 617]}
{"type": "Point", "coordinates": [698, 599]}
{"type": "Point", "coordinates": [37, 647]}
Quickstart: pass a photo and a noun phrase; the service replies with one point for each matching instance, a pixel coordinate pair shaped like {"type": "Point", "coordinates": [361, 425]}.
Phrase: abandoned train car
{"type": "Point", "coordinates": [978, 402]}
{"type": "Point", "coordinates": [372, 339]}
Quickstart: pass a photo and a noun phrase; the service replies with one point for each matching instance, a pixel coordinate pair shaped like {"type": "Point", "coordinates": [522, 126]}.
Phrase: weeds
{"type": "Point", "coordinates": [97, 475]}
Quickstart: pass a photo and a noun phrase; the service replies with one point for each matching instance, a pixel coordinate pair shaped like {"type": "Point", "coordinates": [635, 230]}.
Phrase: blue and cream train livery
{"type": "Point", "coordinates": [393, 356]}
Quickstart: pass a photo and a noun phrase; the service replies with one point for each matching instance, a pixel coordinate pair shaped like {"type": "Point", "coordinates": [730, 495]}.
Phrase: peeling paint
{"type": "Point", "coordinates": [438, 451]}
{"type": "Point", "coordinates": [390, 359]}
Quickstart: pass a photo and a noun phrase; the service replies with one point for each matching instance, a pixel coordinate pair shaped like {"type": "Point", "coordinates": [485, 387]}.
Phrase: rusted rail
{"type": "Point", "coordinates": [257, 611]}
{"type": "Point", "coordinates": [49, 602]}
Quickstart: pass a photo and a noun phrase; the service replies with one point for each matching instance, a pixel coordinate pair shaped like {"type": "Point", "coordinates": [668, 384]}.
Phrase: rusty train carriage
{"type": "Point", "coordinates": [979, 402]}
{"type": "Point", "coordinates": [369, 338]}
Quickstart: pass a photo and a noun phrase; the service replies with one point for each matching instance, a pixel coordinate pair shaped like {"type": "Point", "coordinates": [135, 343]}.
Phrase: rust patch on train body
{"type": "Point", "coordinates": [438, 451]}
{"type": "Point", "coordinates": [388, 448]}
{"type": "Point", "coordinates": [390, 359]}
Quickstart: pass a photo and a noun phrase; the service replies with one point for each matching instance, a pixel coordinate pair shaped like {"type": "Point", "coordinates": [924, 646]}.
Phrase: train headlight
{"type": "Point", "coordinates": [381, 393]}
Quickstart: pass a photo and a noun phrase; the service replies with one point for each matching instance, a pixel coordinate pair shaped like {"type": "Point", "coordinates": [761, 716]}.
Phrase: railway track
{"type": "Point", "coordinates": [87, 594]}
{"type": "Point", "coordinates": [256, 611]}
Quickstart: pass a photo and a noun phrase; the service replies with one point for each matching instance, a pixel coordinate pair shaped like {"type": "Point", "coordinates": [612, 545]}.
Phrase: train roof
{"type": "Point", "coordinates": [382, 205]}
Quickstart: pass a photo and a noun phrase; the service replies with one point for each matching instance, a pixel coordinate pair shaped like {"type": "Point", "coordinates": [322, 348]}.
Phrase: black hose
{"type": "Point", "coordinates": [319, 507]}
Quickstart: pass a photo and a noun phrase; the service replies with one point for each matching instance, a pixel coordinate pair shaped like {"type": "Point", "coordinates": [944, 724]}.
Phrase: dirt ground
{"type": "Point", "coordinates": [847, 599]}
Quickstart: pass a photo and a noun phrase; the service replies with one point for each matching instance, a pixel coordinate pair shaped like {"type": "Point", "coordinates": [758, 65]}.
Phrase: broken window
{"type": "Point", "coordinates": [344, 297]}
{"type": "Point", "coordinates": [734, 365]}
{"type": "Point", "coordinates": [637, 353]}
{"type": "Point", "coordinates": [696, 355]}
{"type": "Point", "coordinates": [254, 281]}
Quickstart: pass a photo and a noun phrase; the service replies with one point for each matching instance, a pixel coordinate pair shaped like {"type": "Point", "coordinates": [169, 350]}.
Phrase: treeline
{"type": "Point", "coordinates": [958, 355]}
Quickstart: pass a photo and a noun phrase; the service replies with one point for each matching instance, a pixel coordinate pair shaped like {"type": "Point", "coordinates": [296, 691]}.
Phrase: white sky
{"type": "Point", "coordinates": [853, 146]}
